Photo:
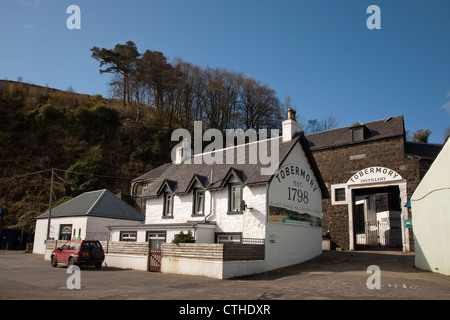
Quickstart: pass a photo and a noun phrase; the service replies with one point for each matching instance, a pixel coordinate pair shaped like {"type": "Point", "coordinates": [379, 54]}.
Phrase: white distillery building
{"type": "Point", "coordinates": [234, 204]}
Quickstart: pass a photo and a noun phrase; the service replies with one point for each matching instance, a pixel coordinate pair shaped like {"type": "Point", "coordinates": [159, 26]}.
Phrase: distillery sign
{"type": "Point", "coordinates": [294, 196]}
{"type": "Point", "coordinates": [374, 175]}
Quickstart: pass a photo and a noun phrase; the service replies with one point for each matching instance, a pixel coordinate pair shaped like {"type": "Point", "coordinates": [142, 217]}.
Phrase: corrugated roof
{"type": "Point", "coordinates": [99, 203]}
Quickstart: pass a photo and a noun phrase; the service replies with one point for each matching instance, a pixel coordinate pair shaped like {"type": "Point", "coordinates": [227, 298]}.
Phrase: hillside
{"type": "Point", "coordinates": [43, 128]}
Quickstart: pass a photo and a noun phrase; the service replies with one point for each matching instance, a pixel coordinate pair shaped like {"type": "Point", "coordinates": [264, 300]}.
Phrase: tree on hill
{"type": "Point", "coordinates": [122, 61]}
{"type": "Point", "coordinates": [421, 136]}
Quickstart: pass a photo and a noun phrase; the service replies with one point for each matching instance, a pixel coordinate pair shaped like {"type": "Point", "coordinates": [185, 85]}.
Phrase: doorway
{"type": "Point", "coordinates": [377, 218]}
{"type": "Point", "coordinates": [155, 242]}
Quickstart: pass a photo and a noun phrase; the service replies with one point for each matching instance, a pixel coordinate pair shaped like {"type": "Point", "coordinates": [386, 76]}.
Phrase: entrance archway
{"type": "Point", "coordinates": [376, 206]}
{"type": "Point", "coordinates": [377, 218]}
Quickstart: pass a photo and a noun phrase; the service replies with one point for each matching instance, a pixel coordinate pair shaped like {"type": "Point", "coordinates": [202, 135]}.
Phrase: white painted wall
{"type": "Point", "coordinates": [288, 244]}
{"type": "Point", "coordinates": [41, 230]}
{"type": "Point", "coordinates": [251, 223]}
{"type": "Point", "coordinates": [126, 261]}
{"type": "Point", "coordinates": [430, 205]}
{"type": "Point", "coordinates": [91, 228]}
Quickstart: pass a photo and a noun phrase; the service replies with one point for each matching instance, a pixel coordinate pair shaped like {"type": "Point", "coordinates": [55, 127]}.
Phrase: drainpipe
{"type": "Point", "coordinates": [210, 198]}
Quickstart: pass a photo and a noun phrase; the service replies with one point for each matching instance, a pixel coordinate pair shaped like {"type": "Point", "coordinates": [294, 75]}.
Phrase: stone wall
{"type": "Point", "coordinates": [338, 164]}
{"type": "Point", "coordinates": [222, 252]}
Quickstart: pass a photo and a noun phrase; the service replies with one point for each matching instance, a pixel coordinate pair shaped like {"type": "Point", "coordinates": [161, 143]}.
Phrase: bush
{"type": "Point", "coordinates": [97, 119]}
{"type": "Point", "coordinates": [81, 173]}
{"type": "Point", "coordinates": [184, 238]}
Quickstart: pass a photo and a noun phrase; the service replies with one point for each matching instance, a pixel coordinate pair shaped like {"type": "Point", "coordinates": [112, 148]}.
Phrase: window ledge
{"type": "Point", "coordinates": [167, 217]}
{"type": "Point", "coordinates": [197, 215]}
{"type": "Point", "coordinates": [235, 212]}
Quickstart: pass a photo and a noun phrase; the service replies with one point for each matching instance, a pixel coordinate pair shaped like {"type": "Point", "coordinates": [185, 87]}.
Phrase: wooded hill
{"type": "Point", "coordinates": [97, 143]}
{"type": "Point", "coordinates": [43, 128]}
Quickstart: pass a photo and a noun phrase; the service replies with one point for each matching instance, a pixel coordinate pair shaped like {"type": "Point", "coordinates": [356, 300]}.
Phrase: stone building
{"type": "Point", "coordinates": [370, 171]}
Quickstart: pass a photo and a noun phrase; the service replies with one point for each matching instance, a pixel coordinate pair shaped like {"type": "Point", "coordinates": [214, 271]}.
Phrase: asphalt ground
{"type": "Point", "coordinates": [332, 276]}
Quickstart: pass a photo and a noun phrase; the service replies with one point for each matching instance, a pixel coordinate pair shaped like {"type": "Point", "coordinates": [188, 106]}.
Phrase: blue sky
{"type": "Point", "coordinates": [320, 52]}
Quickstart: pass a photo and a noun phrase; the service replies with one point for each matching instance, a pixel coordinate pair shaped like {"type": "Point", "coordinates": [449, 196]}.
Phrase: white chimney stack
{"type": "Point", "coordinates": [183, 152]}
{"type": "Point", "coordinates": [290, 126]}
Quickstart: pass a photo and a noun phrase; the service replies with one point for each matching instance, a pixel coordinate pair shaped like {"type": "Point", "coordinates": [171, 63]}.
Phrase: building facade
{"type": "Point", "coordinates": [84, 217]}
{"type": "Point", "coordinates": [236, 202]}
{"type": "Point", "coordinates": [370, 171]}
{"type": "Point", "coordinates": [431, 219]}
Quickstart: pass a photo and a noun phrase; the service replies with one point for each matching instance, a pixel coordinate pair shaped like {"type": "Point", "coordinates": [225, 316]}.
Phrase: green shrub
{"type": "Point", "coordinates": [184, 238]}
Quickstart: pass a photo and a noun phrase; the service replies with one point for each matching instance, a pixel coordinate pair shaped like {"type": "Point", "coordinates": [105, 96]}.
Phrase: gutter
{"type": "Point", "coordinates": [210, 198]}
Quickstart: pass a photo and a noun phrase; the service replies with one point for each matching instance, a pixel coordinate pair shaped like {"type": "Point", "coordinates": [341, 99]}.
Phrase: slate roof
{"type": "Point", "coordinates": [247, 173]}
{"type": "Point", "coordinates": [375, 130]}
{"type": "Point", "coordinates": [423, 150]}
{"type": "Point", "coordinates": [100, 203]}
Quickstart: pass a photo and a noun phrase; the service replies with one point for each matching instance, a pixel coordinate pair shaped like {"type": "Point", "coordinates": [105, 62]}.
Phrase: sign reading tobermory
{"type": "Point", "coordinates": [295, 197]}
{"type": "Point", "coordinates": [374, 175]}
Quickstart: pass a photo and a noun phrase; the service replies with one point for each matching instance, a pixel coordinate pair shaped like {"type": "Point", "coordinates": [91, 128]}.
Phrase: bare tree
{"type": "Point", "coordinates": [326, 123]}
{"type": "Point", "coordinates": [446, 134]}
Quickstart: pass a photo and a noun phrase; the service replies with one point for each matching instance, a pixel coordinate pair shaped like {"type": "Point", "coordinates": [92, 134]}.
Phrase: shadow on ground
{"type": "Point", "coordinates": [344, 261]}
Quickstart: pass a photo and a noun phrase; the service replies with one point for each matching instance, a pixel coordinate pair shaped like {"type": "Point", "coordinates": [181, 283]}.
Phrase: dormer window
{"type": "Point", "coordinates": [358, 132]}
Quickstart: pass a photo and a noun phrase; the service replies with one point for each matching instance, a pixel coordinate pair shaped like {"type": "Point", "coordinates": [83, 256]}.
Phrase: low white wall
{"type": "Point", "coordinates": [125, 261]}
{"type": "Point", "coordinates": [287, 245]}
{"type": "Point", "coordinates": [193, 267]}
{"type": "Point", "coordinates": [211, 268]}
{"type": "Point", "coordinates": [233, 269]}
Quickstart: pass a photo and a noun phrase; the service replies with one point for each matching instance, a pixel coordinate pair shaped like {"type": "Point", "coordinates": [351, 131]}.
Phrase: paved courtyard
{"type": "Point", "coordinates": [334, 275]}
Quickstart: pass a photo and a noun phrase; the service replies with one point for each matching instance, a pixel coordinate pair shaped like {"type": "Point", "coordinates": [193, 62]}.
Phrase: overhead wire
{"type": "Point", "coordinates": [62, 170]}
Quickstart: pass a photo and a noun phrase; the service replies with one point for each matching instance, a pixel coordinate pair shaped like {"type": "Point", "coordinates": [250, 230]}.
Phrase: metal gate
{"type": "Point", "coordinates": [384, 234]}
{"type": "Point", "coordinates": [154, 260]}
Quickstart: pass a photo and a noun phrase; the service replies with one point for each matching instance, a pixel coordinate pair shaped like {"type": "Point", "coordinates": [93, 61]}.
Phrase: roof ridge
{"type": "Point", "coordinates": [350, 126]}
{"type": "Point", "coordinates": [96, 201]}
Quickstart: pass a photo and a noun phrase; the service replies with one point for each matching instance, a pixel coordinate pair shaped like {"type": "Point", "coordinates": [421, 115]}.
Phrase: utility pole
{"type": "Point", "coordinates": [50, 205]}
{"type": "Point", "coordinates": [23, 226]}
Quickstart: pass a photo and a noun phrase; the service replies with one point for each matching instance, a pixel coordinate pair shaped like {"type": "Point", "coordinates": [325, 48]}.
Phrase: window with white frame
{"type": "Point", "coordinates": [229, 238]}
{"type": "Point", "coordinates": [128, 236]}
{"type": "Point", "coordinates": [168, 205]}
{"type": "Point", "coordinates": [235, 198]}
{"type": "Point", "coordinates": [156, 238]}
{"type": "Point", "coordinates": [339, 194]}
{"type": "Point", "coordinates": [199, 202]}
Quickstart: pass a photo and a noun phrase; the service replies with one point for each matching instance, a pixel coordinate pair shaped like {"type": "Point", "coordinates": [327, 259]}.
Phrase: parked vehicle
{"type": "Point", "coordinates": [79, 252]}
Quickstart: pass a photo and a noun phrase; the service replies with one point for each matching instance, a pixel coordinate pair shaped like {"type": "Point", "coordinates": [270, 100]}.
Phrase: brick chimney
{"type": "Point", "coordinates": [290, 126]}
